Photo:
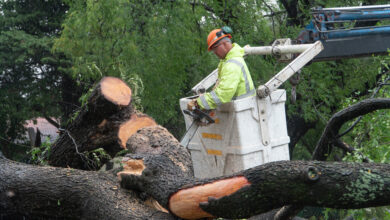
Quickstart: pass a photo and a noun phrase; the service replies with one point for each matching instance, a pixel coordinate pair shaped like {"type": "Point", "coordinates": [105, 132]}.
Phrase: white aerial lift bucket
{"type": "Point", "coordinates": [238, 139]}
{"type": "Point", "coordinates": [247, 132]}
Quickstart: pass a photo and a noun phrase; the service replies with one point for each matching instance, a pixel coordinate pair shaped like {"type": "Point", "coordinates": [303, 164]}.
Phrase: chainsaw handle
{"type": "Point", "coordinates": [203, 114]}
{"type": "Point", "coordinates": [191, 113]}
{"type": "Point", "coordinates": [198, 115]}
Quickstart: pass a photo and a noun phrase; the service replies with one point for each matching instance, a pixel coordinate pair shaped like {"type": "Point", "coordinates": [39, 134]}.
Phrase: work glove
{"type": "Point", "coordinates": [192, 105]}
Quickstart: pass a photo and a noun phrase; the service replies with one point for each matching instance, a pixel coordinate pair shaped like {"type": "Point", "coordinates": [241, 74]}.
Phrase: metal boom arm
{"type": "Point", "coordinates": [290, 69]}
{"type": "Point", "coordinates": [349, 32]}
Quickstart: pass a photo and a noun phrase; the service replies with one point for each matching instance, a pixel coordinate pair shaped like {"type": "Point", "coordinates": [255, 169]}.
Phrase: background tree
{"type": "Point", "coordinates": [159, 43]}
{"type": "Point", "coordinates": [33, 80]}
{"type": "Point", "coordinates": [159, 48]}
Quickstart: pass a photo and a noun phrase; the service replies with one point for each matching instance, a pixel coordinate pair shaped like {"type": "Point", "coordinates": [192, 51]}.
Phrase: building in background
{"type": "Point", "coordinates": [39, 129]}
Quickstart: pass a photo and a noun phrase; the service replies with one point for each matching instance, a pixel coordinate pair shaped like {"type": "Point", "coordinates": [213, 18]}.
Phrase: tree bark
{"type": "Point", "coordinates": [158, 160]}
{"type": "Point", "coordinates": [49, 192]}
{"type": "Point", "coordinates": [160, 168]}
{"type": "Point", "coordinates": [264, 188]}
{"type": "Point", "coordinates": [70, 193]}
{"type": "Point", "coordinates": [330, 137]}
{"type": "Point", "coordinates": [106, 121]}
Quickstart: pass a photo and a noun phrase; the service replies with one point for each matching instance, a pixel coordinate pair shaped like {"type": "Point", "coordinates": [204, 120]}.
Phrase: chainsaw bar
{"type": "Point", "coordinates": [189, 134]}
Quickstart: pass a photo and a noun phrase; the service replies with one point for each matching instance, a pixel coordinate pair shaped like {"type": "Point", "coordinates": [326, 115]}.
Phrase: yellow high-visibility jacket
{"type": "Point", "coordinates": [234, 81]}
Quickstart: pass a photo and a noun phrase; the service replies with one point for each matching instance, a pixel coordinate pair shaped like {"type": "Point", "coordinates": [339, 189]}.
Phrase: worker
{"type": "Point", "coordinates": [234, 80]}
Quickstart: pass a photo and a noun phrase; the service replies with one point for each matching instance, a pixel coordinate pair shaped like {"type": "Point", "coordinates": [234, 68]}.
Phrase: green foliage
{"type": "Point", "coordinates": [371, 136]}
{"type": "Point", "coordinates": [122, 153]}
{"type": "Point", "coordinates": [331, 86]}
{"type": "Point", "coordinates": [371, 139]}
{"type": "Point", "coordinates": [30, 80]}
{"type": "Point", "coordinates": [370, 213]}
{"type": "Point", "coordinates": [358, 214]}
{"type": "Point", "coordinates": [158, 47]}
{"type": "Point", "coordinates": [98, 157]}
{"type": "Point", "coordinates": [40, 154]}
{"type": "Point", "coordinates": [137, 88]}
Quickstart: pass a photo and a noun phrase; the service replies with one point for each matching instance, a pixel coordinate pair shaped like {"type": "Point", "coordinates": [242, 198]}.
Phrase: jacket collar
{"type": "Point", "coordinates": [236, 51]}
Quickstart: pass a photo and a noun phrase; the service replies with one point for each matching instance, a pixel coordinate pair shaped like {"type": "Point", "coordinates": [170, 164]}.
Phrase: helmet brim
{"type": "Point", "coordinates": [216, 40]}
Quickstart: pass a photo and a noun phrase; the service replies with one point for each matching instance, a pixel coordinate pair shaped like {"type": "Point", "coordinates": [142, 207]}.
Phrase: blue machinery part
{"type": "Point", "coordinates": [329, 25]}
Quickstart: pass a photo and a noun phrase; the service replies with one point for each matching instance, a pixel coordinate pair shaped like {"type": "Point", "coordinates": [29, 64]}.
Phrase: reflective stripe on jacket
{"type": "Point", "coordinates": [234, 81]}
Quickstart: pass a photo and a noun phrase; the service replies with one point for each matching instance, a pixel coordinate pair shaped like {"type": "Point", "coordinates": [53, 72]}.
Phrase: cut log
{"type": "Point", "coordinates": [108, 97]}
{"type": "Point", "coordinates": [130, 127]}
{"type": "Point", "coordinates": [106, 121]}
{"type": "Point", "coordinates": [69, 193]}
{"type": "Point", "coordinates": [115, 91]}
{"type": "Point", "coordinates": [185, 203]}
{"type": "Point", "coordinates": [171, 163]}
{"type": "Point", "coordinates": [82, 194]}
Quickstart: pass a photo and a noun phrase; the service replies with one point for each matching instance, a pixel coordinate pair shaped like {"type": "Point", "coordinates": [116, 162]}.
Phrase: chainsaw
{"type": "Point", "coordinates": [200, 118]}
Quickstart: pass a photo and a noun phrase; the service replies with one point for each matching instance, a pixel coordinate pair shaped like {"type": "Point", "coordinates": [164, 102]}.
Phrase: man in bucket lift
{"type": "Point", "coordinates": [234, 80]}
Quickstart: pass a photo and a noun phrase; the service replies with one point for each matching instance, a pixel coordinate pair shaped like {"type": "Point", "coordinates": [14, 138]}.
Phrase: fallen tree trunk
{"type": "Point", "coordinates": [264, 188]}
{"type": "Point", "coordinates": [159, 167]}
{"type": "Point", "coordinates": [69, 193]}
{"type": "Point", "coordinates": [106, 121]}
{"type": "Point", "coordinates": [48, 192]}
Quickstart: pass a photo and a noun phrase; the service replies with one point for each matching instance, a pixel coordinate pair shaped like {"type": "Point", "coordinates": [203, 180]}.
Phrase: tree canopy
{"type": "Point", "coordinates": [30, 79]}
{"type": "Point", "coordinates": [53, 51]}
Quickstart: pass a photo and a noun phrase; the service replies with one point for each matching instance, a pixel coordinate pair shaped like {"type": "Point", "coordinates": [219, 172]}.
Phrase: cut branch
{"type": "Point", "coordinates": [107, 121]}
{"type": "Point", "coordinates": [264, 188]}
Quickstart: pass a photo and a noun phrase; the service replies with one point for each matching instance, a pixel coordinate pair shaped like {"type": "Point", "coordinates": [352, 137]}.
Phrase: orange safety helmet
{"type": "Point", "coordinates": [216, 35]}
